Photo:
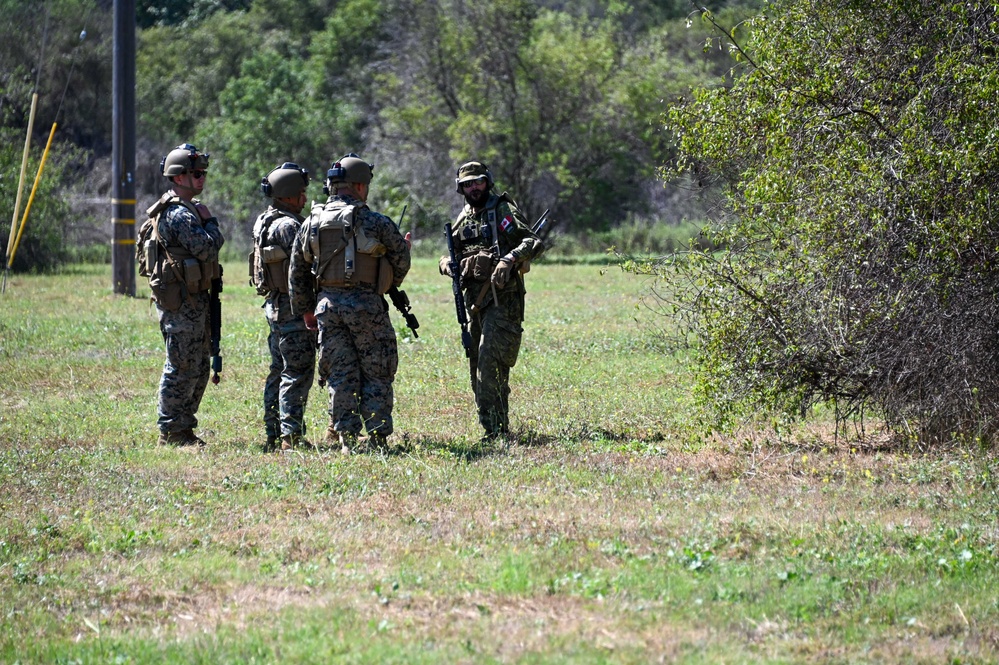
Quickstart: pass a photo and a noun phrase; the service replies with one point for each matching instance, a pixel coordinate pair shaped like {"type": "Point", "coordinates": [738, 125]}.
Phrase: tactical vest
{"type": "Point", "coordinates": [478, 236]}
{"type": "Point", "coordinates": [268, 263]}
{"type": "Point", "coordinates": [346, 256]}
{"type": "Point", "coordinates": [174, 273]}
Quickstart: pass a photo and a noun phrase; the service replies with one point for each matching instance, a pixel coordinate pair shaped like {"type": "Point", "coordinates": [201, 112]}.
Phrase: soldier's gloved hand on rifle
{"type": "Point", "coordinates": [445, 266]}
{"type": "Point", "coordinates": [502, 271]}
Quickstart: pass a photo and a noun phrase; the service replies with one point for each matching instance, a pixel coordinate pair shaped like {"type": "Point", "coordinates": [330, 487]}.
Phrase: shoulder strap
{"type": "Point", "coordinates": [269, 217]}
{"type": "Point", "coordinates": [168, 199]}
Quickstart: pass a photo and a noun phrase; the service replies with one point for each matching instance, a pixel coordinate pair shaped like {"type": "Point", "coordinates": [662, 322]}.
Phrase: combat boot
{"type": "Point", "coordinates": [289, 441]}
{"type": "Point", "coordinates": [191, 439]}
{"type": "Point", "coordinates": [271, 445]}
{"type": "Point", "coordinates": [346, 440]}
{"type": "Point", "coordinates": [378, 442]}
{"type": "Point", "coordinates": [185, 437]}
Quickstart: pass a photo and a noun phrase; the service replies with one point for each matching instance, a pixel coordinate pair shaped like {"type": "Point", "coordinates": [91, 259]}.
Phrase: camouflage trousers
{"type": "Point", "coordinates": [497, 333]}
{"type": "Point", "coordinates": [358, 359]}
{"type": "Point", "coordinates": [187, 366]}
{"type": "Point", "coordinates": [286, 389]}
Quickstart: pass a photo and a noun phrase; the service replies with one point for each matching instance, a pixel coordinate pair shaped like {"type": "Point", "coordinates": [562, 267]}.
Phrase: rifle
{"type": "Point", "coordinates": [454, 267]}
{"type": "Point", "coordinates": [215, 325]}
{"type": "Point", "coordinates": [525, 267]}
{"type": "Point", "coordinates": [538, 225]}
{"type": "Point", "coordinates": [401, 300]}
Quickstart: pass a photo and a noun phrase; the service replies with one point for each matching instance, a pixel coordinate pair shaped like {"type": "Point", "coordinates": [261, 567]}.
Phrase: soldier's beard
{"type": "Point", "coordinates": [477, 198]}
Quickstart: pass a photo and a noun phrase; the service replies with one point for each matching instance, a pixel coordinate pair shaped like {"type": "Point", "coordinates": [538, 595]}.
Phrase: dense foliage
{"type": "Point", "coordinates": [562, 100]}
{"type": "Point", "coordinates": [861, 153]}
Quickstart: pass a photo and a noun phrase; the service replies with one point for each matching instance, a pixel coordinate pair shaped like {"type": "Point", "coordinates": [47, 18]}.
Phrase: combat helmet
{"type": "Point", "coordinates": [472, 171]}
{"type": "Point", "coordinates": [182, 159]}
{"type": "Point", "coordinates": [350, 168]}
{"type": "Point", "coordinates": [284, 182]}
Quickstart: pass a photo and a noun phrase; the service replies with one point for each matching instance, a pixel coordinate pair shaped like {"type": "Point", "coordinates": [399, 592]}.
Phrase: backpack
{"type": "Point", "coordinates": [264, 274]}
{"type": "Point", "coordinates": [147, 244]}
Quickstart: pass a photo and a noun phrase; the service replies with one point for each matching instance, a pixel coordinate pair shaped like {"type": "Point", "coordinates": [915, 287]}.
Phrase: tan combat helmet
{"type": "Point", "coordinates": [350, 168]}
{"type": "Point", "coordinates": [182, 159]}
{"type": "Point", "coordinates": [285, 182]}
{"type": "Point", "coordinates": [472, 171]}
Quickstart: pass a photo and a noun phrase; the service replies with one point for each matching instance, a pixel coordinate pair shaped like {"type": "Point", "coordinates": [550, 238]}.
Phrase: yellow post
{"type": "Point", "coordinates": [31, 197]}
{"type": "Point", "coordinates": [20, 184]}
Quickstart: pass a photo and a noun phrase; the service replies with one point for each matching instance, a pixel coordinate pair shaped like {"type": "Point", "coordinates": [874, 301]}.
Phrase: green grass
{"type": "Point", "coordinates": [612, 532]}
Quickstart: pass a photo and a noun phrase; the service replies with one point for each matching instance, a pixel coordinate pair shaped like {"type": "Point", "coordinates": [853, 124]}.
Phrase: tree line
{"type": "Point", "coordinates": [563, 101]}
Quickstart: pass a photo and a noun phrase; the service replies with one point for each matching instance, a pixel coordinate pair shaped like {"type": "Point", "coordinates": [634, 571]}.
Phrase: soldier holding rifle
{"type": "Point", "coordinates": [491, 247]}
{"type": "Point", "coordinates": [181, 259]}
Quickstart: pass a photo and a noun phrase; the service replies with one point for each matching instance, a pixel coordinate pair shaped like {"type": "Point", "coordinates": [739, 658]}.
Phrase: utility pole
{"type": "Point", "coordinates": [123, 150]}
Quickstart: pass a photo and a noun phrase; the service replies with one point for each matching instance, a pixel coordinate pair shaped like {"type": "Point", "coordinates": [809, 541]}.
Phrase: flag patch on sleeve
{"type": "Point", "coordinates": [506, 223]}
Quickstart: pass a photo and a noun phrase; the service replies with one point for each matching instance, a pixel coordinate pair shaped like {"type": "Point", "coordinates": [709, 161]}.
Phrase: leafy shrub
{"type": "Point", "coordinates": [859, 154]}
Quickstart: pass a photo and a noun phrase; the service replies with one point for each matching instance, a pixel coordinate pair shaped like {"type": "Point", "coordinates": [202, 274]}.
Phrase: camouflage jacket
{"type": "Point", "coordinates": [472, 233]}
{"type": "Point", "coordinates": [178, 226]}
{"type": "Point", "coordinates": [302, 281]}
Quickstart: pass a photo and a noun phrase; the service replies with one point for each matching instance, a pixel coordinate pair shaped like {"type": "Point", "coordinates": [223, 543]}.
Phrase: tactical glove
{"type": "Point", "coordinates": [445, 265]}
{"type": "Point", "coordinates": [501, 273]}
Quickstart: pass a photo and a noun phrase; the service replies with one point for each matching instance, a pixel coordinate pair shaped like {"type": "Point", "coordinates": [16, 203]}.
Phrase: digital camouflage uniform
{"type": "Point", "coordinates": [292, 345]}
{"type": "Point", "coordinates": [496, 330]}
{"type": "Point", "coordinates": [358, 356]}
{"type": "Point", "coordinates": [186, 329]}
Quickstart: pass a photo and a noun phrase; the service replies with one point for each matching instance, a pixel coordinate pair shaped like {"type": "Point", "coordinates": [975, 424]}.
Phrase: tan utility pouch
{"type": "Point", "coordinates": [478, 267]}
{"type": "Point", "coordinates": [192, 274]}
{"type": "Point", "coordinates": [385, 276]}
{"type": "Point", "coordinates": [273, 253]}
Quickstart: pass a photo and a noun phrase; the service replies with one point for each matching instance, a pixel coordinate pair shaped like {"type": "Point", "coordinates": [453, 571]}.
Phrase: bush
{"type": "Point", "coordinates": [860, 269]}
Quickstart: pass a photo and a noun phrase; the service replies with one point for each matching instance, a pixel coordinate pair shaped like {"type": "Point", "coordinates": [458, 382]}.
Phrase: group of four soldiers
{"type": "Point", "coordinates": [323, 278]}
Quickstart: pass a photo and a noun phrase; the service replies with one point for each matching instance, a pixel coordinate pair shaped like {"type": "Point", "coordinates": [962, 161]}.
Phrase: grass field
{"type": "Point", "coordinates": [611, 531]}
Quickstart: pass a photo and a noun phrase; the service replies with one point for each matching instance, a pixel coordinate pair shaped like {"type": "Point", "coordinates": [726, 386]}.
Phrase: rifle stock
{"type": "Point", "coordinates": [454, 267]}
{"type": "Point", "coordinates": [401, 302]}
{"type": "Point", "coordinates": [215, 325]}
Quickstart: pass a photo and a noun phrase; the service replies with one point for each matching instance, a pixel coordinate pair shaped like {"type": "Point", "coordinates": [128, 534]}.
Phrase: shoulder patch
{"type": "Point", "coordinates": [507, 223]}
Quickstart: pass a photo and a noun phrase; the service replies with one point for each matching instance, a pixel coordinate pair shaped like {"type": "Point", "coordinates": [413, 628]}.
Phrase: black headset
{"type": "Point", "coordinates": [338, 172]}
{"type": "Point", "coordinates": [265, 183]}
{"type": "Point", "coordinates": [192, 156]}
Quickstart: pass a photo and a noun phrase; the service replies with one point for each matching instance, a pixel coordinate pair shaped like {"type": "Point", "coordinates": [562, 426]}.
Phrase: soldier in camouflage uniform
{"type": "Point", "coordinates": [292, 338]}
{"type": "Point", "coordinates": [496, 245]}
{"type": "Point", "coordinates": [345, 257]}
{"type": "Point", "coordinates": [188, 243]}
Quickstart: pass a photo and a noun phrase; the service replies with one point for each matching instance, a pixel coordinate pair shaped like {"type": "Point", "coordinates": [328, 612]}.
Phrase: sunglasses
{"type": "Point", "coordinates": [198, 175]}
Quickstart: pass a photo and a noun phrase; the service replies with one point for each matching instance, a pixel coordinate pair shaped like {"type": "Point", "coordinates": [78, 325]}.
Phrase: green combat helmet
{"type": "Point", "coordinates": [285, 182]}
{"type": "Point", "coordinates": [350, 168]}
{"type": "Point", "coordinates": [182, 159]}
{"type": "Point", "coordinates": [472, 171]}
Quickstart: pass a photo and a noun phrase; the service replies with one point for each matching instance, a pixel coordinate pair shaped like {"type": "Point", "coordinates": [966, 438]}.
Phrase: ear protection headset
{"type": "Point", "coordinates": [183, 158]}
{"type": "Point", "coordinates": [268, 188]}
{"type": "Point", "coordinates": [349, 169]}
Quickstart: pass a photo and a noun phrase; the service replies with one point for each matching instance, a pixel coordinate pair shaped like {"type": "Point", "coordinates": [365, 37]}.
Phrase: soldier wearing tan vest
{"type": "Point", "coordinates": [292, 337]}
{"type": "Point", "coordinates": [346, 256]}
{"type": "Point", "coordinates": [181, 262]}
